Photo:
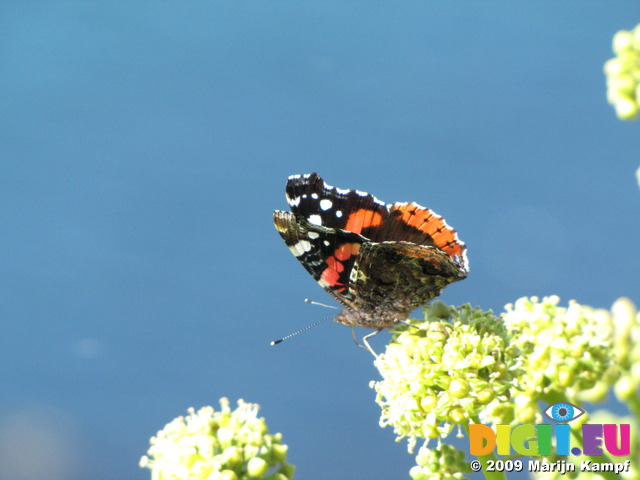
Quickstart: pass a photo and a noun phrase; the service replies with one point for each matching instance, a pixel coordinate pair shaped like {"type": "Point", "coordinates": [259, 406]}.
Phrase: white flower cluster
{"type": "Point", "coordinates": [218, 445]}
{"type": "Point", "coordinates": [623, 74]}
{"type": "Point", "coordinates": [436, 375]}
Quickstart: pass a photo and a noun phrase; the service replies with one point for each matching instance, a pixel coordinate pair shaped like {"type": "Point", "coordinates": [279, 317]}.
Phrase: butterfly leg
{"type": "Point", "coordinates": [366, 338]}
{"type": "Point", "coordinates": [368, 347]}
{"type": "Point", "coordinates": [355, 339]}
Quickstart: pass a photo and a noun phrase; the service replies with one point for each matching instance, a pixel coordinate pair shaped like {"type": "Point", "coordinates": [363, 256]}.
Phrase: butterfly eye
{"type": "Point", "coordinates": [563, 412]}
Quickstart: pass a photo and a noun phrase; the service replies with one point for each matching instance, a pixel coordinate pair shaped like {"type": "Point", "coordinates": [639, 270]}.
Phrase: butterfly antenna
{"type": "Point", "coordinates": [275, 342]}
{"type": "Point", "coordinates": [318, 303]}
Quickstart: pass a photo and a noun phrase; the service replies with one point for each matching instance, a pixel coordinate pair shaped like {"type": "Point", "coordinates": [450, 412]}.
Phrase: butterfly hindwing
{"type": "Point", "coordinates": [400, 275]}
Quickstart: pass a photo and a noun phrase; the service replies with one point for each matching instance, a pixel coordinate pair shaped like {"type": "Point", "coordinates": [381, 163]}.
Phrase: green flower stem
{"type": "Point", "coordinates": [485, 459]}
{"type": "Point", "coordinates": [633, 404]}
{"type": "Point", "coordinates": [553, 397]}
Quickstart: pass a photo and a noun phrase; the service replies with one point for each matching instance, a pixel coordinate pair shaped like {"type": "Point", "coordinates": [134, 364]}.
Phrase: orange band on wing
{"type": "Point", "coordinates": [331, 276]}
{"type": "Point", "coordinates": [363, 218]}
{"type": "Point", "coordinates": [343, 252]}
{"type": "Point", "coordinates": [335, 267]}
{"type": "Point", "coordinates": [335, 264]}
{"type": "Point", "coordinates": [433, 225]}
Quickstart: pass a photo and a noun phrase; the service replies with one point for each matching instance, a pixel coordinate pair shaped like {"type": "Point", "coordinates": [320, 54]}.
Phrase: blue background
{"type": "Point", "coordinates": [144, 146]}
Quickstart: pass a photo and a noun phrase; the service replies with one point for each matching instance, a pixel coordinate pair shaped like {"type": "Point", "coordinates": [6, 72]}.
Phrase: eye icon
{"type": "Point", "coordinates": [563, 412]}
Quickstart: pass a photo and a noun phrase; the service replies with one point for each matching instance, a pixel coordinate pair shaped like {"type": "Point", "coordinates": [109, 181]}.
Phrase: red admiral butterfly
{"type": "Point", "coordinates": [379, 261]}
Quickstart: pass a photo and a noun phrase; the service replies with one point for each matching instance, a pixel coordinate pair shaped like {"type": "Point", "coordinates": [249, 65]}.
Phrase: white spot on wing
{"type": "Point", "coordinates": [314, 196]}
{"type": "Point", "coordinates": [326, 243]}
{"type": "Point", "coordinates": [326, 204]}
{"type": "Point", "coordinates": [301, 247]}
{"type": "Point", "coordinates": [315, 220]}
{"type": "Point", "coordinates": [339, 213]}
{"type": "Point", "coordinates": [294, 202]}
{"type": "Point", "coordinates": [313, 235]}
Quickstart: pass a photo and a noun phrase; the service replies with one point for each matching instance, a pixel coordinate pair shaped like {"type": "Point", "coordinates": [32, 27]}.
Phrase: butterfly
{"type": "Point", "coordinates": [379, 261]}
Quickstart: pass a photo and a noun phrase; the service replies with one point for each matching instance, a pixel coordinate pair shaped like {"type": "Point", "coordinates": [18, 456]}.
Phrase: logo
{"type": "Point", "coordinates": [563, 412]}
{"type": "Point", "coordinates": [546, 439]}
